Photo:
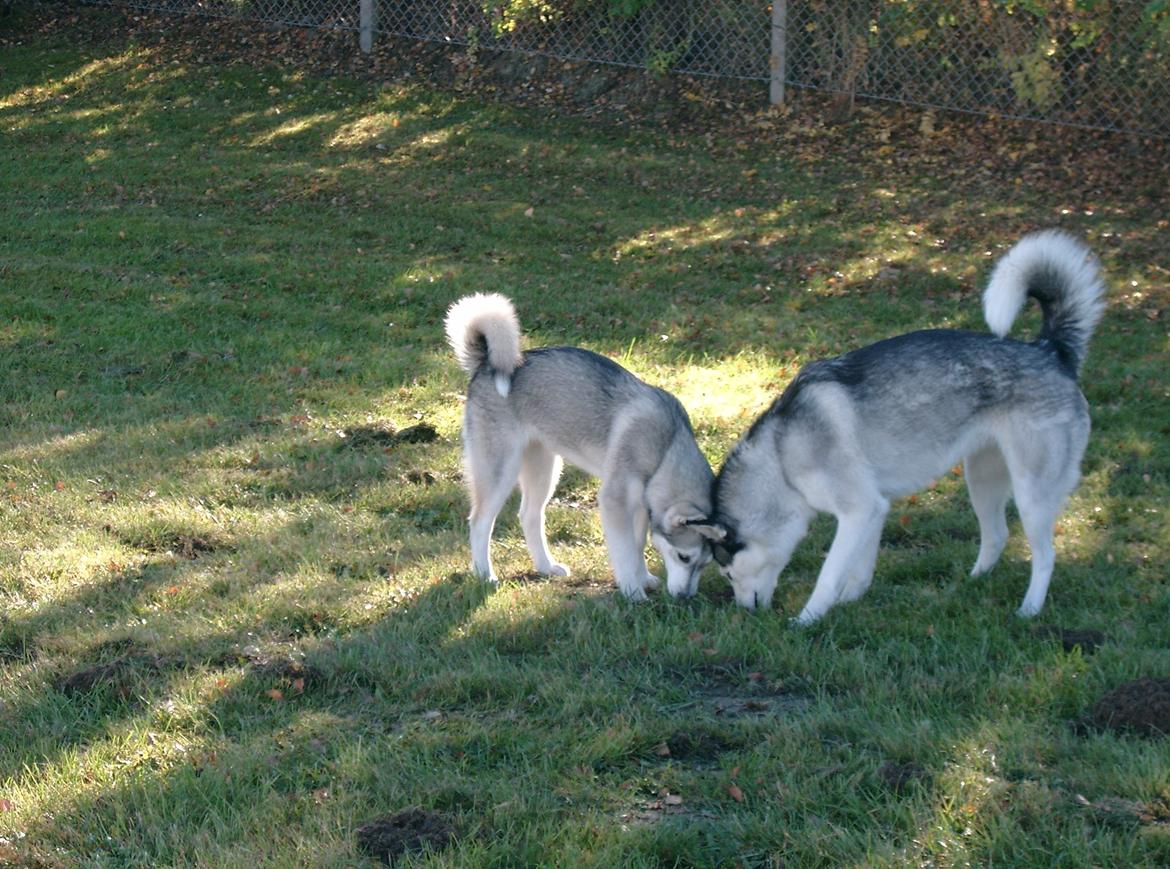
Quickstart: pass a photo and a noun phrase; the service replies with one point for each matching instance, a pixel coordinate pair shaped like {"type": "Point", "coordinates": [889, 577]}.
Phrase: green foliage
{"type": "Point", "coordinates": [1034, 78]}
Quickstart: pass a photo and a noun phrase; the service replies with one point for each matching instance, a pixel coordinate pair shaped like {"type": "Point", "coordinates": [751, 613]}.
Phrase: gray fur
{"type": "Point", "coordinates": [572, 403]}
{"type": "Point", "coordinates": [853, 432]}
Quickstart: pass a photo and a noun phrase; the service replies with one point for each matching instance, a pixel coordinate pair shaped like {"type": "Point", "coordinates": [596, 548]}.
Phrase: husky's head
{"type": "Point", "coordinates": [757, 521]}
{"type": "Point", "coordinates": [685, 550]}
{"type": "Point", "coordinates": [750, 568]}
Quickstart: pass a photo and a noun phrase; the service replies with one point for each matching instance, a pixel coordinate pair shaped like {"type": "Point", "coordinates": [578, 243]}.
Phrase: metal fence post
{"type": "Point", "coordinates": [366, 25]}
{"type": "Point", "coordinates": [779, 60]}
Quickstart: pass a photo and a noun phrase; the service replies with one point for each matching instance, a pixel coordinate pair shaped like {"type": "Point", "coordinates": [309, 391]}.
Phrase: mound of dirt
{"type": "Point", "coordinates": [88, 678]}
{"type": "Point", "coordinates": [120, 674]}
{"type": "Point", "coordinates": [409, 831]}
{"type": "Point", "coordinates": [1087, 640]}
{"type": "Point", "coordinates": [1141, 707]}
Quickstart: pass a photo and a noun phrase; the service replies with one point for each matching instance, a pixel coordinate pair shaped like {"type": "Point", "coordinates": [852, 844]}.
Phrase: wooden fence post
{"type": "Point", "coordinates": [366, 25]}
{"type": "Point", "coordinates": [779, 60]}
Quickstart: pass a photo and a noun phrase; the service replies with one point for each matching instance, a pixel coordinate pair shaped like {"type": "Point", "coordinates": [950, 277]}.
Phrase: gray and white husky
{"type": "Point", "coordinates": [526, 410]}
{"type": "Point", "coordinates": [850, 433]}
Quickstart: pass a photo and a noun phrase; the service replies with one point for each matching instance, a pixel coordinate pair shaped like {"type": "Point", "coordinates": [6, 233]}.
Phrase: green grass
{"type": "Point", "coordinates": [207, 272]}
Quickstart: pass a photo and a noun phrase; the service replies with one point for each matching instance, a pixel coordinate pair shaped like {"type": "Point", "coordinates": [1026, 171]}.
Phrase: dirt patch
{"type": "Point", "coordinates": [188, 545]}
{"type": "Point", "coordinates": [382, 437]}
{"type": "Point", "coordinates": [410, 831]}
{"type": "Point", "coordinates": [1088, 640]}
{"type": "Point", "coordinates": [1141, 707]}
{"type": "Point", "coordinates": [659, 804]}
{"type": "Point", "coordinates": [697, 745]}
{"type": "Point", "coordinates": [900, 776]}
{"type": "Point", "coordinates": [731, 690]}
{"type": "Point", "coordinates": [655, 811]}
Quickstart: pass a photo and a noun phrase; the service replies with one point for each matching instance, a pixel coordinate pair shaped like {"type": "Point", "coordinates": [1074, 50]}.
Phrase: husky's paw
{"type": "Point", "coordinates": [1026, 610]}
{"type": "Point", "coordinates": [557, 569]}
{"type": "Point", "coordinates": [650, 582]}
{"type": "Point", "coordinates": [488, 576]}
{"type": "Point", "coordinates": [804, 619]}
{"type": "Point", "coordinates": [634, 594]}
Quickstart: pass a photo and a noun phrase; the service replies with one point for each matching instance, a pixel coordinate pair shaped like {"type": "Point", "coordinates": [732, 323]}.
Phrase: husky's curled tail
{"type": "Point", "coordinates": [1060, 273]}
{"type": "Point", "coordinates": [483, 330]}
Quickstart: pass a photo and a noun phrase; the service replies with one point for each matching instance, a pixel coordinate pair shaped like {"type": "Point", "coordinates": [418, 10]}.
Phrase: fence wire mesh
{"type": "Point", "coordinates": [1079, 62]}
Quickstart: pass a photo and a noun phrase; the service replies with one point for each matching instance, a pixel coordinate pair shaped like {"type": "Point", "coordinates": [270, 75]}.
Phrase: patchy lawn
{"type": "Point", "coordinates": [236, 622]}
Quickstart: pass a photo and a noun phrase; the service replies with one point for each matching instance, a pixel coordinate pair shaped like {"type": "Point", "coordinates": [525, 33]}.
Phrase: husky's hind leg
{"type": "Point", "coordinates": [990, 485]}
{"type": "Point", "coordinates": [539, 471]}
{"type": "Point", "coordinates": [619, 505]}
{"type": "Point", "coordinates": [1038, 514]}
{"type": "Point", "coordinates": [492, 476]}
{"type": "Point", "coordinates": [1045, 468]}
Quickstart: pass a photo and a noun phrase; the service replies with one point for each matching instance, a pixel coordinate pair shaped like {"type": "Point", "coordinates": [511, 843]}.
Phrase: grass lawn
{"type": "Point", "coordinates": [236, 618]}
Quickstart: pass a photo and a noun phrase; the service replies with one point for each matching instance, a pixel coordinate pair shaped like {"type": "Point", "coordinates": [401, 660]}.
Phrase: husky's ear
{"type": "Point", "coordinates": [713, 531]}
{"type": "Point", "coordinates": [689, 515]}
{"type": "Point", "coordinates": [678, 515]}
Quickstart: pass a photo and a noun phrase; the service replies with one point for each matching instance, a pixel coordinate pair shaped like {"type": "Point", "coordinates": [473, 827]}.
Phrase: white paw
{"type": "Point", "coordinates": [556, 569]}
{"type": "Point", "coordinates": [1026, 610]}
{"type": "Point", "coordinates": [804, 619]}
{"type": "Point", "coordinates": [650, 581]}
{"type": "Point", "coordinates": [635, 594]}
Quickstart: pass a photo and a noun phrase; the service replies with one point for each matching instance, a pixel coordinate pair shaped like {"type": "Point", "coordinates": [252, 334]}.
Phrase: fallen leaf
{"type": "Point", "coordinates": [275, 693]}
{"type": "Point", "coordinates": [672, 800]}
{"type": "Point", "coordinates": [734, 792]}
{"type": "Point", "coordinates": [662, 750]}
{"type": "Point", "coordinates": [6, 805]}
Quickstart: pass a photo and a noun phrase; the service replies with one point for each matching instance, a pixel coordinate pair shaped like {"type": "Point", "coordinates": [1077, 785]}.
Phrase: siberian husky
{"type": "Point", "coordinates": [527, 410]}
{"type": "Point", "coordinates": [851, 433]}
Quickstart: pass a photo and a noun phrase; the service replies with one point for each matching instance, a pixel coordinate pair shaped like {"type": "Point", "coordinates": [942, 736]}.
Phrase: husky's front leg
{"type": "Point", "coordinates": [641, 527]}
{"type": "Point", "coordinates": [858, 533]}
{"type": "Point", "coordinates": [619, 505]}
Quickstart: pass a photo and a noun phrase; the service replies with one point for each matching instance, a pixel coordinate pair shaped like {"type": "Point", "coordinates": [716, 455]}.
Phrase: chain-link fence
{"type": "Point", "coordinates": [1080, 62]}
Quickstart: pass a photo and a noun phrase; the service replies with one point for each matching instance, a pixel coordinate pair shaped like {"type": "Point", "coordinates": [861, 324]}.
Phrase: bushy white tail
{"type": "Point", "coordinates": [483, 330]}
{"type": "Point", "coordinates": [1062, 274]}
